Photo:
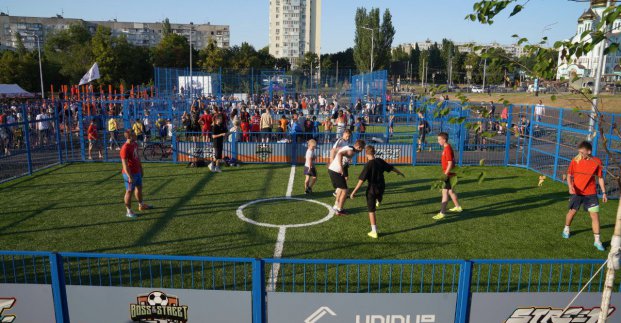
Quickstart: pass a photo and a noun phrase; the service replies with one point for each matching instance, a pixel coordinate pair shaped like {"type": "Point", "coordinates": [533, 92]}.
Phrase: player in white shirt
{"type": "Point", "coordinates": [309, 167]}
{"type": "Point", "coordinates": [540, 111]}
{"type": "Point", "coordinates": [340, 143]}
{"type": "Point", "coordinates": [337, 174]}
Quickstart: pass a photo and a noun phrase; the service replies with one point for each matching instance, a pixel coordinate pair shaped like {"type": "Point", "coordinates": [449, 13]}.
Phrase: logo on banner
{"type": "Point", "coordinates": [160, 307]}
{"type": "Point", "coordinates": [388, 153]}
{"type": "Point", "coordinates": [5, 305]}
{"type": "Point", "coordinates": [206, 152]}
{"type": "Point", "coordinates": [553, 315]}
{"type": "Point", "coordinates": [264, 151]}
{"type": "Point", "coordinates": [318, 314]}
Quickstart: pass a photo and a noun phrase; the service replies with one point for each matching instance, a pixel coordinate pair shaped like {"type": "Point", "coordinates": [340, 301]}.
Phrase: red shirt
{"type": "Point", "coordinates": [583, 173]}
{"type": "Point", "coordinates": [92, 132]}
{"type": "Point", "coordinates": [129, 152]}
{"type": "Point", "coordinates": [447, 156]}
{"type": "Point", "coordinates": [207, 121]}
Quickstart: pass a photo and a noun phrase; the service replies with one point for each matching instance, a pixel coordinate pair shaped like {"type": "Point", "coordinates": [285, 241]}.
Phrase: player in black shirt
{"type": "Point", "coordinates": [218, 133]}
{"type": "Point", "coordinates": [373, 173]}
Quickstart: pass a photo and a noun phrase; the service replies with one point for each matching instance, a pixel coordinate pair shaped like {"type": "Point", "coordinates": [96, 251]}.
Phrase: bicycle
{"type": "Point", "coordinates": [157, 151]}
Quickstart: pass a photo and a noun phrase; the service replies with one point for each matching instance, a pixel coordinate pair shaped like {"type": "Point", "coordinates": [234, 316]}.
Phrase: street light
{"type": "Point", "coordinates": [191, 88]}
{"type": "Point", "coordinates": [40, 65]}
{"type": "Point", "coordinates": [372, 43]}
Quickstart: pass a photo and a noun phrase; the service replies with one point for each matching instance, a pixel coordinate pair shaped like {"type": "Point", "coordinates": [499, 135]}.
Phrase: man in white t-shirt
{"type": "Point", "coordinates": [43, 127]}
{"type": "Point", "coordinates": [340, 143]}
{"type": "Point", "coordinates": [337, 174]}
{"type": "Point", "coordinates": [540, 111]}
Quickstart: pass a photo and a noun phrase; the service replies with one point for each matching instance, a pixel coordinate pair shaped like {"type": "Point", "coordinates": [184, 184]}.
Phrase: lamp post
{"type": "Point", "coordinates": [191, 79]}
{"type": "Point", "coordinates": [372, 44]}
{"type": "Point", "coordinates": [40, 64]}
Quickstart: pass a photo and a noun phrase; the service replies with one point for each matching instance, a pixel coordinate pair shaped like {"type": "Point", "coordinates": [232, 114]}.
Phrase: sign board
{"type": "Point", "coordinates": [361, 308]}
{"type": "Point", "coordinates": [539, 308]}
{"type": "Point", "coordinates": [26, 303]}
{"type": "Point", "coordinates": [94, 304]}
{"type": "Point", "coordinates": [200, 84]}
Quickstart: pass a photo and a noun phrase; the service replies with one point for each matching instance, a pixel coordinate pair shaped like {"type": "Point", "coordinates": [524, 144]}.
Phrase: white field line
{"type": "Point", "coordinates": [280, 244]}
{"type": "Point", "coordinates": [280, 241]}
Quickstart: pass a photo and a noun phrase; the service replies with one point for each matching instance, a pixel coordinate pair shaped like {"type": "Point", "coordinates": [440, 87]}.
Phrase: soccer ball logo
{"type": "Point", "coordinates": [157, 299]}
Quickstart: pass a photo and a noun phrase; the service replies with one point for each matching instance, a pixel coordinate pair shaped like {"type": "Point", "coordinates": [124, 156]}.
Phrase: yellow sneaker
{"type": "Point", "coordinates": [439, 216]}
{"type": "Point", "coordinates": [456, 209]}
{"type": "Point", "coordinates": [372, 234]}
{"type": "Point", "coordinates": [377, 204]}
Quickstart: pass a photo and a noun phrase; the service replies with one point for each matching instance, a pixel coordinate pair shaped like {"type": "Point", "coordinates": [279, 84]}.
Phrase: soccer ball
{"type": "Point", "coordinates": [157, 299]}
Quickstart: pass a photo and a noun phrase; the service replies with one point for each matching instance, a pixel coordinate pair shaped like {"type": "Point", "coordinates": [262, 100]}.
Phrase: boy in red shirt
{"type": "Point", "coordinates": [92, 136]}
{"type": "Point", "coordinates": [448, 163]}
{"type": "Point", "coordinates": [132, 173]}
{"type": "Point", "coordinates": [581, 182]}
{"type": "Point", "coordinates": [205, 121]}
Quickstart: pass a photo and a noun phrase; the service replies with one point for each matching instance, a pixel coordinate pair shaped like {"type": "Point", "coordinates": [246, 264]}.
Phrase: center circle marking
{"type": "Point", "coordinates": [241, 216]}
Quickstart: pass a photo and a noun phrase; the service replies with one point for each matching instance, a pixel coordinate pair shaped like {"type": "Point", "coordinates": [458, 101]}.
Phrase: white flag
{"type": "Point", "coordinates": [91, 75]}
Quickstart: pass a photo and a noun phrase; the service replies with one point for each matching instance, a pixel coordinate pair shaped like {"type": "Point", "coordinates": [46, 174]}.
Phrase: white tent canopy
{"type": "Point", "coordinates": [13, 91]}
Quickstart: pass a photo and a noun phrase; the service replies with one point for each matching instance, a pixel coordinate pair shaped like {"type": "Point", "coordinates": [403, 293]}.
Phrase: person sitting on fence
{"type": "Point", "coordinates": [373, 173]}
{"type": "Point", "coordinates": [93, 136]}
{"type": "Point", "coordinates": [113, 130]}
{"type": "Point", "coordinates": [581, 174]}
{"type": "Point", "coordinates": [132, 173]}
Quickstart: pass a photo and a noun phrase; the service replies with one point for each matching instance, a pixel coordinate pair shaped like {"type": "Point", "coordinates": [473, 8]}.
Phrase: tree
{"type": "Point", "coordinates": [172, 51]}
{"type": "Point", "coordinates": [166, 28]}
{"type": "Point", "coordinates": [383, 35]}
{"type": "Point", "coordinates": [68, 53]}
{"type": "Point", "coordinates": [211, 58]}
{"type": "Point", "coordinates": [309, 60]}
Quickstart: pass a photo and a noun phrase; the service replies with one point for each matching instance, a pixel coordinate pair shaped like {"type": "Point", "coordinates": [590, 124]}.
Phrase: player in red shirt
{"type": "Point", "coordinates": [92, 136]}
{"type": "Point", "coordinates": [448, 164]}
{"type": "Point", "coordinates": [205, 121]}
{"type": "Point", "coordinates": [132, 173]}
{"type": "Point", "coordinates": [581, 182]}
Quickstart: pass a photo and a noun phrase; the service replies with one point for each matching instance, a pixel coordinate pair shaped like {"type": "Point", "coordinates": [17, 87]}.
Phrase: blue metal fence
{"type": "Point", "coordinates": [460, 277]}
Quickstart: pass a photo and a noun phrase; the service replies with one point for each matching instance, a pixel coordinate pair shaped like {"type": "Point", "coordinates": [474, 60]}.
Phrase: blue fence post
{"type": "Point", "coordinates": [27, 139]}
{"type": "Point", "coordinates": [57, 128]}
{"type": "Point", "coordinates": [463, 293]}
{"type": "Point", "coordinates": [414, 149]}
{"type": "Point", "coordinates": [173, 143]}
{"type": "Point", "coordinates": [81, 132]}
{"type": "Point", "coordinates": [258, 291]}
{"type": "Point", "coordinates": [104, 143]}
{"type": "Point", "coordinates": [234, 145]}
{"type": "Point", "coordinates": [59, 292]}
{"type": "Point", "coordinates": [531, 133]}
{"type": "Point", "coordinates": [558, 142]}
{"type": "Point", "coordinates": [508, 134]}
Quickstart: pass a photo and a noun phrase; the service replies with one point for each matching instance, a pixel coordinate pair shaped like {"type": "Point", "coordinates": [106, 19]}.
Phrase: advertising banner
{"type": "Point", "coordinates": [94, 304]}
{"type": "Point", "coordinates": [26, 303]}
{"type": "Point", "coordinates": [361, 308]}
{"type": "Point", "coordinates": [539, 308]}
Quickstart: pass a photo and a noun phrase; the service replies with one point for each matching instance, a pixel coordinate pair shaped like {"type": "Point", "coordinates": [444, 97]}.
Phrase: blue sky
{"type": "Point", "coordinates": [414, 20]}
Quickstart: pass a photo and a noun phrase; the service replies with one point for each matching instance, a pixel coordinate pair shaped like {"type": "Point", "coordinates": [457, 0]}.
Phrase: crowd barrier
{"type": "Point", "coordinates": [81, 287]}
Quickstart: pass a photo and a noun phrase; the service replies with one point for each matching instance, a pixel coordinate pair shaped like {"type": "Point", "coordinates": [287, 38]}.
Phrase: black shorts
{"type": "Point", "coordinates": [266, 129]}
{"type": "Point", "coordinates": [312, 172]}
{"type": "Point", "coordinates": [374, 194]}
{"type": "Point", "coordinates": [218, 151]}
{"type": "Point", "coordinates": [590, 203]}
{"type": "Point", "coordinates": [346, 170]}
{"type": "Point", "coordinates": [338, 180]}
{"type": "Point", "coordinates": [447, 184]}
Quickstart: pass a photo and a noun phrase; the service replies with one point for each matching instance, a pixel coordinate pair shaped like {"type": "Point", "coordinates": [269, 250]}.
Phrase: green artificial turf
{"type": "Point", "coordinates": [78, 207]}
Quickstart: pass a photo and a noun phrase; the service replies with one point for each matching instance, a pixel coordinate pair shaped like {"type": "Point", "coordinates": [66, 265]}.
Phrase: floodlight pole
{"type": "Point", "coordinates": [191, 89]}
{"type": "Point", "coordinates": [40, 64]}
{"type": "Point", "coordinates": [372, 45]}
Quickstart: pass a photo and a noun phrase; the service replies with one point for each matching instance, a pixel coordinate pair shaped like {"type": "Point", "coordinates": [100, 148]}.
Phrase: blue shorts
{"type": "Point", "coordinates": [137, 181]}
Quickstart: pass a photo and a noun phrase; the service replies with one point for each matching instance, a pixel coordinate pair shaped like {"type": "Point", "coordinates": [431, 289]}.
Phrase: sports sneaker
{"type": "Point", "coordinates": [334, 194]}
{"type": "Point", "coordinates": [599, 246]}
{"type": "Point", "coordinates": [372, 234]}
{"type": "Point", "coordinates": [217, 169]}
{"type": "Point", "coordinates": [211, 167]}
{"type": "Point", "coordinates": [131, 215]}
{"type": "Point", "coordinates": [307, 190]}
{"type": "Point", "coordinates": [377, 203]}
{"type": "Point", "coordinates": [144, 206]}
{"type": "Point", "coordinates": [439, 216]}
{"type": "Point", "coordinates": [341, 213]}
{"type": "Point", "coordinates": [456, 209]}
{"type": "Point", "coordinates": [565, 235]}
